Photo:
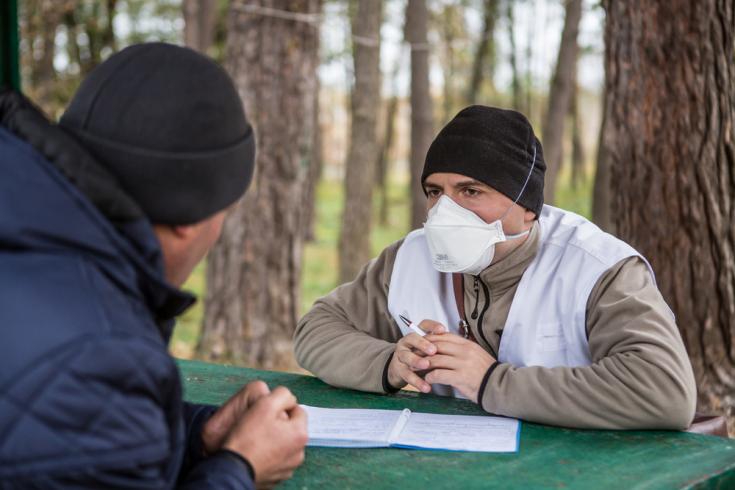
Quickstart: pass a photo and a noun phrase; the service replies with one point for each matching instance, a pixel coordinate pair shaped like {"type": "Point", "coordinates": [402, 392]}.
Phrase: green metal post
{"type": "Point", "coordinates": [9, 62]}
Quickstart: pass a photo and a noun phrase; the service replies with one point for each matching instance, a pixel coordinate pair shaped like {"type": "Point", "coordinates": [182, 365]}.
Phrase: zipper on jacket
{"type": "Point", "coordinates": [485, 307]}
{"type": "Point", "coordinates": [477, 298]}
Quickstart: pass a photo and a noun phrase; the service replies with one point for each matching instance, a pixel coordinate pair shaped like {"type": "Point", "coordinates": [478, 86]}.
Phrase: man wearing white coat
{"type": "Point", "coordinates": [529, 310]}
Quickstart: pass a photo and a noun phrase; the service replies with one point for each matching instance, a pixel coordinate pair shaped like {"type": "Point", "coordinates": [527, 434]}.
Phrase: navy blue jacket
{"type": "Point", "coordinates": [89, 396]}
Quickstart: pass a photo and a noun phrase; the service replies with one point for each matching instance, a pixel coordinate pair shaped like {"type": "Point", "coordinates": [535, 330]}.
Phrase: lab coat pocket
{"type": "Point", "coordinates": [550, 337]}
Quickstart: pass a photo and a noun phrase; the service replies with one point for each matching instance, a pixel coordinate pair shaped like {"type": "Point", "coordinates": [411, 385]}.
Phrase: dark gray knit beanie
{"type": "Point", "coordinates": [169, 124]}
{"type": "Point", "coordinates": [496, 147]}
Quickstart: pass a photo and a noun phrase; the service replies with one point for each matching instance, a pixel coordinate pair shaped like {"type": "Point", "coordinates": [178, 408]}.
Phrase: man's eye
{"type": "Point", "coordinates": [471, 192]}
{"type": "Point", "coordinates": [433, 193]}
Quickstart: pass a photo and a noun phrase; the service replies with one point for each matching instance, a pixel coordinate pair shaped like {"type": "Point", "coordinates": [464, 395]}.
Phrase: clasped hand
{"type": "Point", "coordinates": [268, 428]}
{"type": "Point", "coordinates": [439, 357]}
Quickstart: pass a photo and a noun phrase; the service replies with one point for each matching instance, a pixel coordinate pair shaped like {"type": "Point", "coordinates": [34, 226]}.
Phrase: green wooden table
{"type": "Point", "coordinates": [9, 65]}
{"type": "Point", "coordinates": [549, 457]}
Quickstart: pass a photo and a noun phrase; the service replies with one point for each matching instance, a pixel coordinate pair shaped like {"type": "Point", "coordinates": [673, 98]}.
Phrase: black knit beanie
{"type": "Point", "coordinates": [169, 124]}
{"type": "Point", "coordinates": [496, 147]}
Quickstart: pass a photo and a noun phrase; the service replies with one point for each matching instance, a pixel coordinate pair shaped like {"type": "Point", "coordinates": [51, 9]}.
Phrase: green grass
{"type": "Point", "coordinates": [579, 199]}
{"type": "Point", "coordinates": [188, 325]}
{"type": "Point", "coordinates": [320, 264]}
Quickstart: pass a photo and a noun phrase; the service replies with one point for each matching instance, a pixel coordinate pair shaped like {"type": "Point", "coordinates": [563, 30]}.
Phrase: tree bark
{"type": "Point", "coordinates": [97, 24]}
{"type": "Point", "coordinates": [578, 153]}
{"type": "Point", "coordinates": [383, 168]}
{"type": "Point", "coordinates": [451, 27]}
{"type": "Point", "coordinates": [670, 141]}
{"type": "Point", "coordinates": [422, 124]}
{"type": "Point", "coordinates": [530, 107]}
{"type": "Point", "coordinates": [383, 165]}
{"type": "Point", "coordinates": [72, 43]}
{"type": "Point", "coordinates": [253, 272]}
{"type": "Point", "coordinates": [44, 73]}
{"type": "Point", "coordinates": [516, 81]}
{"type": "Point", "coordinates": [200, 19]}
{"type": "Point", "coordinates": [601, 191]}
{"type": "Point", "coordinates": [485, 53]}
{"type": "Point", "coordinates": [99, 29]}
{"type": "Point", "coordinates": [314, 174]}
{"type": "Point", "coordinates": [41, 20]}
{"type": "Point", "coordinates": [560, 96]}
{"type": "Point", "coordinates": [354, 240]}
{"type": "Point", "coordinates": [108, 32]}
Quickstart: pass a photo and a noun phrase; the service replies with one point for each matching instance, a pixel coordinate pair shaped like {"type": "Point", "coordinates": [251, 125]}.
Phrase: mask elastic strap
{"type": "Point", "coordinates": [518, 235]}
{"type": "Point", "coordinates": [528, 177]}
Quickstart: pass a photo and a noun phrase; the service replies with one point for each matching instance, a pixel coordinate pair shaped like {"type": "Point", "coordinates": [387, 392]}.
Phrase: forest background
{"type": "Point", "coordinates": [633, 102]}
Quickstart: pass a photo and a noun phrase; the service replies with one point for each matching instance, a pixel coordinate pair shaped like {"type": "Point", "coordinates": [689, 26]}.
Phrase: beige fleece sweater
{"type": "Point", "coordinates": [640, 376]}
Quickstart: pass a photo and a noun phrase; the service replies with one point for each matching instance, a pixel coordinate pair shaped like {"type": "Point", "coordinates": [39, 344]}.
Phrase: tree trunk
{"type": "Point", "coordinates": [108, 33]}
{"type": "Point", "coordinates": [314, 174]}
{"type": "Point", "coordinates": [99, 29]}
{"type": "Point", "coordinates": [44, 73]}
{"type": "Point", "coordinates": [422, 126]}
{"type": "Point", "coordinates": [485, 52]}
{"type": "Point", "coordinates": [451, 27]}
{"type": "Point", "coordinates": [384, 160]}
{"type": "Point", "coordinates": [96, 21]}
{"type": "Point", "coordinates": [578, 153]}
{"type": "Point", "coordinates": [72, 43]}
{"type": "Point", "coordinates": [516, 81]}
{"type": "Point", "coordinates": [253, 272]}
{"type": "Point", "coordinates": [41, 21]}
{"type": "Point", "coordinates": [560, 97]}
{"type": "Point", "coordinates": [601, 214]}
{"type": "Point", "coordinates": [386, 145]}
{"type": "Point", "coordinates": [670, 140]}
{"type": "Point", "coordinates": [354, 240]}
{"type": "Point", "coordinates": [529, 106]}
{"type": "Point", "coordinates": [200, 19]}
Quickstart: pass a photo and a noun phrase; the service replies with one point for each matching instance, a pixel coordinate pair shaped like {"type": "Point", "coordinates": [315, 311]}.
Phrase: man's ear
{"type": "Point", "coordinates": [182, 231]}
{"type": "Point", "coordinates": [170, 236]}
{"type": "Point", "coordinates": [529, 216]}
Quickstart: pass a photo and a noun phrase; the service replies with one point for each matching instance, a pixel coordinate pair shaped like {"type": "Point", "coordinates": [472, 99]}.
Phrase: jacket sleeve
{"type": "Point", "coordinates": [109, 415]}
{"type": "Point", "coordinates": [640, 376]}
{"type": "Point", "coordinates": [220, 470]}
{"type": "Point", "coordinates": [348, 336]}
{"type": "Point", "coordinates": [195, 416]}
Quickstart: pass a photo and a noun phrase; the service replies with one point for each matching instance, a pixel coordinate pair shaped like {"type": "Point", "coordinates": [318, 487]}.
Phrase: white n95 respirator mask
{"type": "Point", "coordinates": [461, 241]}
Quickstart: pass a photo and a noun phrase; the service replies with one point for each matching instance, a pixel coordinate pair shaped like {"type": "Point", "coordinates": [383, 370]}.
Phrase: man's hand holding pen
{"type": "Point", "coordinates": [439, 357]}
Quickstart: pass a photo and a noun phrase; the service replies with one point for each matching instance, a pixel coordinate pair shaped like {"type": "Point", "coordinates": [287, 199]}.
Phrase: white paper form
{"type": "Point", "coordinates": [460, 433]}
{"type": "Point", "coordinates": [363, 428]}
{"type": "Point", "coordinates": [349, 427]}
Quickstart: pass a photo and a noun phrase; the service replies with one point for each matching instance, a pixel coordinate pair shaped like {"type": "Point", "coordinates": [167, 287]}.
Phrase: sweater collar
{"type": "Point", "coordinates": [505, 274]}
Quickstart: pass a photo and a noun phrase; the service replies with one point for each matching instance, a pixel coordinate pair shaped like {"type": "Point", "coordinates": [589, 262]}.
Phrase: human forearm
{"type": "Point", "coordinates": [640, 377]}
{"type": "Point", "coordinates": [339, 354]}
{"type": "Point", "coordinates": [619, 392]}
{"type": "Point", "coordinates": [348, 336]}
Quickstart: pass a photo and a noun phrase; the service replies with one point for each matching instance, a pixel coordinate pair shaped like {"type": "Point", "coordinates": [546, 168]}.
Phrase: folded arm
{"type": "Point", "coordinates": [640, 378]}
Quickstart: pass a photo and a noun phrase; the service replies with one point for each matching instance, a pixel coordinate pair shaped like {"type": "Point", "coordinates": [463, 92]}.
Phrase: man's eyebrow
{"type": "Point", "coordinates": [430, 185]}
{"type": "Point", "coordinates": [468, 183]}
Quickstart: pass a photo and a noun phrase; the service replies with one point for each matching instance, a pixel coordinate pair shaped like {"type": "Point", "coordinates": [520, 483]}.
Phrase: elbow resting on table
{"type": "Point", "coordinates": [313, 331]}
{"type": "Point", "coordinates": [680, 415]}
{"type": "Point", "coordinates": [298, 342]}
{"type": "Point", "coordinates": [675, 410]}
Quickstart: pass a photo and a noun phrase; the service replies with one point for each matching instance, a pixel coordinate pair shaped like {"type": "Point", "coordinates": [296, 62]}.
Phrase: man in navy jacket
{"type": "Point", "coordinates": [102, 218]}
